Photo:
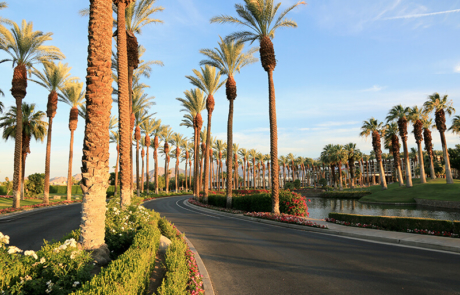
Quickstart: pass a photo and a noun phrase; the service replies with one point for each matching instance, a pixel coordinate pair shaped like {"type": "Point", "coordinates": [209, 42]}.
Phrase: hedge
{"type": "Point", "coordinates": [290, 203]}
{"type": "Point", "coordinates": [76, 189]}
{"type": "Point", "coordinates": [395, 223]}
{"type": "Point", "coordinates": [130, 273]}
{"type": "Point", "coordinates": [2, 190]}
{"type": "Point", "coordinates": [345, 194]}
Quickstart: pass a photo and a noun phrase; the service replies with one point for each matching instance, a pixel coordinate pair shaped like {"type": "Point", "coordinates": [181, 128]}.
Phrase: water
{"type": "Point", "coordinates": [319, 208]}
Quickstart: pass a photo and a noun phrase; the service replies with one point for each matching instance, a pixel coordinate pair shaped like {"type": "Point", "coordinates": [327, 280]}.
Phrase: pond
{"type": "Point", "coordinates": [319, 208]}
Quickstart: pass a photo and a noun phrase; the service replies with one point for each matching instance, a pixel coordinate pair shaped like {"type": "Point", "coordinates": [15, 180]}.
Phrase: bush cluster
{"type": "Point", "coordinates": [260, 201]}
{"type": "Point", "coordinates": [394, 223]}
{"type": "Point", "coordinates": [345, 194]}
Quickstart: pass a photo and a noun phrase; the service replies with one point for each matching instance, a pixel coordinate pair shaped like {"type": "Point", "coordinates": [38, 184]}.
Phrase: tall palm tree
{"type": "Point", "coordinates": [282, 162]}
{"type": "Point", "coordinates": [141, 117]}
{"type": "Point", "coordinates": [25, 46]}
{"type": "Point", "coordinates": [53, 78]}
{"type": "Point", "coordinates": [194, 103]}
{"type": "Point", "coordinates": [253, 158]}
{"type": "Point", "coordinates": [73, 95]}
{"type": "Point", "coordinates": [339, 155]}
{"type": "Point", "coordinates": [392, 140]}
{"type": "Point", "coordinates": [157, 134]}
{"type": "Point", "coordinates": [228, 59]}
{"type": "Point", "coordinates": [267, 159]}
{"type": "Point", "coordinates": [400, 114]}
{"type": "Point", "coordinates": [259, 16]}
{"type": "Point", "coordinates": [124, 104]}
{"type": "Point", "coordinates": [178, 140]}
{"type": "Point", "coordinates": [148, 128]}
{"type": "Point", "coordinates": [235, 152]}
{"type": "Point", "coordinates": [208, 80]}
{"type": "Point", "coordinates": [416, 116]}
{"type": "Point", "coordinates": [373, 127]}
{"type": "Point", "coordinates": [167, 137]}
{"type": "Point", "coordinates": [455, 128]}
{"type": "Point", "coordinates": [220, 146]}
{"type": "Point", "coordinates": [187, 146]}
{"type": "Point", "coordinates": [427, 125]}
{"type": "Point", "coordinates": [441, 106]}
{"type": "Point", "coordinates": [34, 126]}
{"type": "Point", "coordinates": [95, 160]}
{"type": "Point", "coordinates": [244, 154]}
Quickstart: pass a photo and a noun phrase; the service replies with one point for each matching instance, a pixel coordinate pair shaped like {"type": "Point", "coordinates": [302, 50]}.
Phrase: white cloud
{"type": "Point", "coordinates": [374, 88]}
{"type": "Point", "coordinates": [457, 68]}
{"type": "Point", "coordinates": [421, 15]}
{"type": "Point", "coordinates": [332, 123]}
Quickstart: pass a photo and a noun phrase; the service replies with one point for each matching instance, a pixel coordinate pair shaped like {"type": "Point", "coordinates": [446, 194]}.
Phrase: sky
{"type": "Point", "coordinates": [347, 61]}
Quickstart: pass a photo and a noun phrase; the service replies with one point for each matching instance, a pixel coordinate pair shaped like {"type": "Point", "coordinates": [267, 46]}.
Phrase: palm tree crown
{"type": "Point", "coordinates": [34, 125]}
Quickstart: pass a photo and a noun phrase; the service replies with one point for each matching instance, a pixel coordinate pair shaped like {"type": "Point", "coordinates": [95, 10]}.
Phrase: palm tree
{"type": "Point", "coordinates": [373, 127]}
{"type": "Point", "coordinates": [73, 95]}
{"type": "Point", "coordinates": [186, 146]}
{"type": "Point", "coordinates": [194, 103]}
{"type": "Point", "coordinates": [148, 128]}
{"type": "Point", "coordinates": [441, 106]}
{"type": "Point", "coordinates": [33, 127]}
{"type": "Point", "coordinates": [178, 140]}
{"type": "Point", "coordinates": [141, 117]}
{"type": "Point", "coordinates": [235, 152]}
{"type": "Point", "coordinates": [427, 125]}
{"type": "Point", "coordinates": [399, 114]}
{"type": "Point", "coordinates": [208, 80]}
{"type": "Point", "coordinates": [267, 159]}
{"type": "Point", "coordinates": [167, 137]}
{"type": "Point", "coordinates": [95, 160]}
{"type": "Point", "coordinates": [220, 146]}
{"type": "Point", "coordinates": [124, 104]}
{"type": "Point", "coordinates": [25, 46]}
{"type": "Point", "coordinates": [455, 128]}
{"type": "Point", "coordinates": [352, 151]}
{"type": "Point", "coordinates": [392, 140]}
{"type": "Point", "coordinates": [258, 16]}
{"type": "Point", "coordinates": [157, 133]}
{"type": "Point", "coordinates": [416, 116]}
{"type": "Point", "coordinates": [228, 59]}
{"type": "Point", "coordinates": [245, 155]}
{"type": "Point", "coordinates": [253, 157]}
{"type": "Point", "coordinates": [339, 155]}
{"type": "Point", "coordinates": [53, 78]}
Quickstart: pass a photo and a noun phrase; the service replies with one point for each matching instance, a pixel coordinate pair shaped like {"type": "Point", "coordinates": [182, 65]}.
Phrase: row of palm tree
{"type": "Point", "coordinates": [396, 124]}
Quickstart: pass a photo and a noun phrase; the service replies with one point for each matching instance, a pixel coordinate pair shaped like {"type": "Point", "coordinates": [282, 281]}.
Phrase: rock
{"type": "Point", "coordinates": [164, 244]}
{"type": "Point", "coordinates": [101, 255]}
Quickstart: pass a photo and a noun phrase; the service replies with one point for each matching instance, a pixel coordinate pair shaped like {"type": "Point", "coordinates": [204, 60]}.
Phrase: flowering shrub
{"type": "Point", "coordinates": [285, 218]}
{"type": "Point", "coordinates": [195, 202]}
{"type": "Point", "coordinates": [403, 224]}
{"type": "Point", "coordinates": [57, 268]}
{"type": "Point", "coordinates": [10, 209]}
{"type": "Point", "coordinates": [182, 271]}
{"type": "Point", "coordinates": [293, 203]}
{"type": "Point", "coordinates": [250, 191]}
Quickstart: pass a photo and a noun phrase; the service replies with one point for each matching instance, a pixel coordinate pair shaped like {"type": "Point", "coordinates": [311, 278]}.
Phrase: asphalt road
{"type": "Point", "coordinates": [244, 257]}
{"type": "Point", "coordinates": [28, 229]}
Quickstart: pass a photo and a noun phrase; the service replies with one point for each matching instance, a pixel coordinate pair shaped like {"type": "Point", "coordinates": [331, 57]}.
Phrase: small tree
{"type": "Point", "coordinates": [8, 185]}
{"type": "Point", "coordinates": [35, 185]}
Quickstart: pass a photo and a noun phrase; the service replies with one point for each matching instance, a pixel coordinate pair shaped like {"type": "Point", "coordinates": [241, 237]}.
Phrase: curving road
{"type": "Point", "coordinates": [244, 257]}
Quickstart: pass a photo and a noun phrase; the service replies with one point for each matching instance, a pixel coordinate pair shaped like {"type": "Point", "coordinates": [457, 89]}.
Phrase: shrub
{"type": "Point", "coordinates": [288, 185]}
{"type": "Point", "coordinates": [323, 182]}
{"type": "Point", "coordinates": [297, 183]}
{"type": "Point", "coordinates": [400, 223]}
{"type": "Point", "coordinates": [3, 190]}
{"type": "Point", "coordinates": [35, 185]}
{"type": "Point", "coordinates": [345, 194]}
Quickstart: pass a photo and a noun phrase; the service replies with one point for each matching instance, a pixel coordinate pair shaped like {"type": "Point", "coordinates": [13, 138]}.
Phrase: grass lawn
{"type": "Point", "coordinates": [6, 203]}
{"type": "Point", "coordinates": [433, 190]}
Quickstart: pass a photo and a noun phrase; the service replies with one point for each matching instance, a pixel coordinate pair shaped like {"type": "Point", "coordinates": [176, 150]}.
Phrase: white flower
{"type": "Point", "coordinates": [13, 249]}
{"type": "Point", "coordinates": [42, 260]}
{"type": "Point", "coordinates": [76, 283]}
{"type": "Point", "coordinates": [4, 239]}
{"type": "Point", "coordinates": [28, 278]}
{"type": "Point", "coordinates": [70, 243]}
{"type": "Point", "coordinates": [73, 254]}
{"type": "Point", "coordinates": [122, 228]}
{"type": "Point", "coordinates": [31, 253]}
{"type": "Point", "coordinates": [49, 283]}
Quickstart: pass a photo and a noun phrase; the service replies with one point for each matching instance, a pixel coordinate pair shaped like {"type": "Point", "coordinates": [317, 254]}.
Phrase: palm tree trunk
{"type": "Point", "coordinates": [147, 172]}
{"type": "Point", "coordinates": [155, 159]}
{"type": "Point", "coordinates": [166, 174]}
{"type": "Point", "coordinates": [229, 152]}
{"type": "Point", "coordinates": [69, 173]}
{"type": "Point", "coordinates": [142, 177]}
{"type": "Point", "coordinates": [340, 177]}
{"type": "Point", "coordinates": [46, 197]}
{"type": "Point", "coordinates": [195, 169]}
{"type": "Point", "coordinates": [124, 111]}
{"type": "Point", "coordinates": [400, 178]}
{"type": "Point", "coordinates": [407, 163]}
{"type": "Point", "coordinates": [449, 179]}
{"type": "Point", "coordinates": [95, 160]}
{"type": "Point", "coordinates": [186, 179]}
{"type": "Point", "coordinates": [23, 170]}
{"type": "Point", "coordinates": [383, 181]}
{"type": "Point", "coordinates": [432, 174]}
{"type": "Point", "coordinates": [116, 170]}
{"type": "Point", "coordinates": [374, 164]}
{"type": "Point", "coordinates": [177, 174]}
{"type": "Point", "coordinates": [137, 169]}
{"type": "Point", "coordinates": [422, 167]}
{"type": "Point", "coordinates": [210, 108]}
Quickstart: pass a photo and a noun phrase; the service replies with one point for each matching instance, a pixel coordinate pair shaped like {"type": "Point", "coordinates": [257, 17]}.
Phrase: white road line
{"type": "Point", "coordinates": [195, 211]}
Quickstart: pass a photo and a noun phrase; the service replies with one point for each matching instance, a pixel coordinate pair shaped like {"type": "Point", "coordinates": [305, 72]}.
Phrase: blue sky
{"type": "Point", "coordinates": [346, 62]}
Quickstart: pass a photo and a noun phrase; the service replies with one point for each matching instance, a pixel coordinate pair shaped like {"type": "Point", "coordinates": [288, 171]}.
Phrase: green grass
{"type": "Point", "coordinates": [6, 203]}
{"type": "Point", "coordinates": [433, 190]}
